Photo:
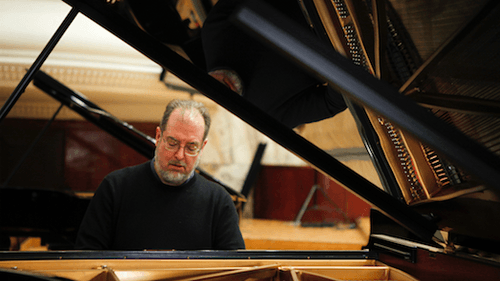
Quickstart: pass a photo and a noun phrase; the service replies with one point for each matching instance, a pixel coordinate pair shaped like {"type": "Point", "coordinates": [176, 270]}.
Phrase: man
{"type": "Point", "coordinates": [164, 203]}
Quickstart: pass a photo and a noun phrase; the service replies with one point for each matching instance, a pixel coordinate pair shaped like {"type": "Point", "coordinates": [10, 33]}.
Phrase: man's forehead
{"type": "Point", "coordinates": [186, 122]}
{"type": "Point", "coordinates": [186, 114]}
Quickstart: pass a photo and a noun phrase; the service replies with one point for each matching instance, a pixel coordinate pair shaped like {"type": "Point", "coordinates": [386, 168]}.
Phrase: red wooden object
{"type": "Point", "coordinates": [71, 155]}
{"type": "Point", "coordinates": [281, 191]}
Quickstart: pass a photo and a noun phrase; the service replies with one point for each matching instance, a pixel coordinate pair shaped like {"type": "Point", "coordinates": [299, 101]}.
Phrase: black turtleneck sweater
{"type": "Point", "coordinates": [133, 210]}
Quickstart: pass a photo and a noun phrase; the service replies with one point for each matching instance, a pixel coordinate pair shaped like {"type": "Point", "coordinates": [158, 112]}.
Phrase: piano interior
{"type": "Point", "coordinates": [424, 92]}
{"type": "Point", "coordinates": [217, 270]}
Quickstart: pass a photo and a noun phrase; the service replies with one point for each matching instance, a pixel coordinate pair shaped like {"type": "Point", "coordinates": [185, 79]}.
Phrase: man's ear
{"type": "Point", "coordinates": [158, 135]}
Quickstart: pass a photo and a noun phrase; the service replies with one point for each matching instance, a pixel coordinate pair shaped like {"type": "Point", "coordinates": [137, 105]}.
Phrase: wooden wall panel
{"type": "Point", "coordinates": [71, 155]}
{"type": "Point", "coordinates": [281, 191]}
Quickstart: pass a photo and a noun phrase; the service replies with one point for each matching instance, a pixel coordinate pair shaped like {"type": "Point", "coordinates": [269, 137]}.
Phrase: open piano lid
{"type": "Point", "coordinates": [442, 154]}
{"type": "Point", "coordinates": [433, 82]}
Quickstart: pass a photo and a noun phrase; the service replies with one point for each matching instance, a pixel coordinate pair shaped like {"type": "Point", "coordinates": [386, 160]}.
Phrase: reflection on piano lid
{"type": "Point", "coordinates": [439, 163]}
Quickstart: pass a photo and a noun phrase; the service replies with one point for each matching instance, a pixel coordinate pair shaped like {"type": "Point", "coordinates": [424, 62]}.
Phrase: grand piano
{"type": "Point", "coordinates": [431, 127]}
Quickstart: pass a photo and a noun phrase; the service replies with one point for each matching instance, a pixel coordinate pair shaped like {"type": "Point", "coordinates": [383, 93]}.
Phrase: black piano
{"type": "Point", "coordinates": [428, 116]}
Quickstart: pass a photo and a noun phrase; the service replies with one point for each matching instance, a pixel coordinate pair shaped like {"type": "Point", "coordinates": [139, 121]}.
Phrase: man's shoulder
{"type": "Point", "coordinates": [208, 186]}
{"type": "Point", "coordinates": [130, 170]}
{"type": "Point", "coordinates": [125, 179]}
{"type": "Point", "coordinates": [208, 183]}
{"type": "Point", "coordinates": [129, 174]}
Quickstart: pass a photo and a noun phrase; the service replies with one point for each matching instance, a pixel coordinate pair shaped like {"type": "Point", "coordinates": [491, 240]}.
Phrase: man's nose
{"type": "Point", "coordinates": [179, 154]}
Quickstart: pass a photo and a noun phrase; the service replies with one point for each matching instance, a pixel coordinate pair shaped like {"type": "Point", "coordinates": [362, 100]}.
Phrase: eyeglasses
{"type": "Point", "coordinates": [190, 149]}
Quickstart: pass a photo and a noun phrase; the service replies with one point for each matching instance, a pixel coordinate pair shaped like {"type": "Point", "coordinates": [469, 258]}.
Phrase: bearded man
{"type": "Point", "coordinates": [164, 204]}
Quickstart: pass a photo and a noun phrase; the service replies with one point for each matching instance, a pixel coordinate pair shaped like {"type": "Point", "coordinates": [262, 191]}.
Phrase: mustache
{"type": "Point", "coordinates": [177, 163]}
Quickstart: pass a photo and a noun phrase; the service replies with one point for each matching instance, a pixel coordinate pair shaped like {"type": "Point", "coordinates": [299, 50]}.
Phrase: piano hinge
{"type": "Point", "coordinates": [441, 237]}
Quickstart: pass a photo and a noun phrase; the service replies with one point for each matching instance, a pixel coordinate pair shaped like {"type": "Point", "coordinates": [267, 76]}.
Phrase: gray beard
{"type": "Point", "coordinates": [171, 178]}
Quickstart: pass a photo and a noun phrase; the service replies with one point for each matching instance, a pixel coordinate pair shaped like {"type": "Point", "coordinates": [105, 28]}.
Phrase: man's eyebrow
{"type": "Point", "coordinates": [169, 137]}
{"type": "Point", "coordinates": [193, 142]}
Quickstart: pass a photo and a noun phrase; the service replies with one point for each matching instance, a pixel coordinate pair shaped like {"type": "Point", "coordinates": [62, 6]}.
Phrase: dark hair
{"type": "Point", "coordinates": [186, 105]}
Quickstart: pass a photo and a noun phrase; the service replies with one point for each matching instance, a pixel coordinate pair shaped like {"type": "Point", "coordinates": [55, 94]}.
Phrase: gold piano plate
{"type": "Point", "coordinates": [135, 270]}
